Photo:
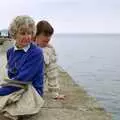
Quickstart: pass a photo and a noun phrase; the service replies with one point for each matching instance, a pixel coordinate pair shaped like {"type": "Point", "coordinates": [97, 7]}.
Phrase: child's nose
{"type": "Point", "coordinates": [27, 36]}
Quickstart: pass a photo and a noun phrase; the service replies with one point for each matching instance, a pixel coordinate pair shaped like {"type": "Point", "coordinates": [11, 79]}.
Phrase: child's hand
{"type": "Point", "coordinates": [60, 97]}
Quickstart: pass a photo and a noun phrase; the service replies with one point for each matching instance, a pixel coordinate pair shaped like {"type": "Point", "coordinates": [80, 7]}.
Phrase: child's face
{"type": "Point", "coordinates": [23, 36]}
{"type": "Point", "coordinates": [42, 40]}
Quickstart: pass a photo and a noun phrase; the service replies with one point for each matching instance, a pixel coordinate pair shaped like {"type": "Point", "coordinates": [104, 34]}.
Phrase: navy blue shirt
{"type": "Point", "coordinates": [25, 66]}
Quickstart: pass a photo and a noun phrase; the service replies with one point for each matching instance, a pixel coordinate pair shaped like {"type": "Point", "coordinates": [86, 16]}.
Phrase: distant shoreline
{"type": "Point", "coordinates": [106, 34]}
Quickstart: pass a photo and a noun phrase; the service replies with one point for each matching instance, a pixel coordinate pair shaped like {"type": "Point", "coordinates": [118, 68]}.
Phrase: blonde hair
{"type": "Point", "coordinates": [20, 21]}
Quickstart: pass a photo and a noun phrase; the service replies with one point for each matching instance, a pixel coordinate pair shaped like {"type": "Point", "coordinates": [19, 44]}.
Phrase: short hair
{"type": "Point", "coordinates": [44, 27]}
{"type": "Point", "coordinates": [18, 22]}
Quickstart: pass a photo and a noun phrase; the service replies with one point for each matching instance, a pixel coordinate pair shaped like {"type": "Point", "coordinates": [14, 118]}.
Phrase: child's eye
{"type": "Point", "coordinates": [22, 33]}
{"type": "Point", "coordinates": [29, 32]}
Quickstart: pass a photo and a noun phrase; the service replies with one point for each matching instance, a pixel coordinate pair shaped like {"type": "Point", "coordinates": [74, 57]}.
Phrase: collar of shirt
{"type": "Point", "coordinates": [25, 49]}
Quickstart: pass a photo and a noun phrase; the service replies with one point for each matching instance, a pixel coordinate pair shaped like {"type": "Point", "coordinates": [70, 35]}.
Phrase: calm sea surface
{"type": "Point", "coordinates": [94, 62]}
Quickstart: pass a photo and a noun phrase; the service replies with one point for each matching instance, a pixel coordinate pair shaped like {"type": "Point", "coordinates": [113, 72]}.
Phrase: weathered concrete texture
{"type": "Point", "coordinates": [76, 106]}
{"type": "Point", "coordinates": [3, 39]}
{"type": "Point", "coordinates": [6, 44]}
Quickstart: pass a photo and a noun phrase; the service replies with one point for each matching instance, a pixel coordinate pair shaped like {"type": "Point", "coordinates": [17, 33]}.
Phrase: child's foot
{"type": "Point", "coordinates": [60, 97]}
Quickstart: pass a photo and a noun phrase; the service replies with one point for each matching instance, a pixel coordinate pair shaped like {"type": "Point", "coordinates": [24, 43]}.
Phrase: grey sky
{"type": "Point", "coordinates": [81, 16]}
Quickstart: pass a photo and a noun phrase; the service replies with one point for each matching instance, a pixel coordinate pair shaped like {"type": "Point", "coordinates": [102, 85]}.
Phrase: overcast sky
{"type": "Point", "coordinates": [78, 16]}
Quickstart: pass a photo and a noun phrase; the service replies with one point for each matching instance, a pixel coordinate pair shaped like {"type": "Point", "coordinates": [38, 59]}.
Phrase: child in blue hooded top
{"type": "Point", "coordinates": [25, 66]}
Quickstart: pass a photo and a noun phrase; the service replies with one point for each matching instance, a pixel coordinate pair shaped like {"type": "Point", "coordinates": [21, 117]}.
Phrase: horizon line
{"type": "Point", "coordinates": [84, 33]}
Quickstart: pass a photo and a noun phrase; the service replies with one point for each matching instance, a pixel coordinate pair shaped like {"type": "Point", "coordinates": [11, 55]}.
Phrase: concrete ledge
{"type": "Point", "coordinates": [2, 40]}
{"type": "Point", "coordinates": [76, 106]}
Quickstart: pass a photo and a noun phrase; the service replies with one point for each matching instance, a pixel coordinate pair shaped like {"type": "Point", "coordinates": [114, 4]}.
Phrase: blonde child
{"type": "Point", "coordinates": [21, 92]}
